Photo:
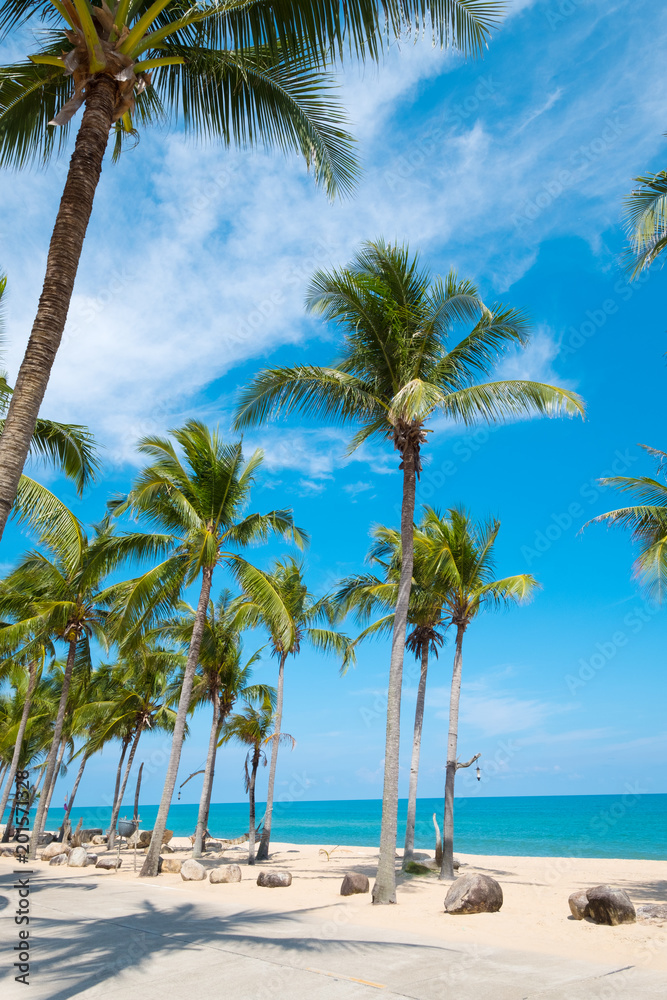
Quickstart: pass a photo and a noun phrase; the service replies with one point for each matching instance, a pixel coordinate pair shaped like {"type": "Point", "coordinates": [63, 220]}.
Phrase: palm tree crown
{"type": "Point", "coordinates": [646, 221]}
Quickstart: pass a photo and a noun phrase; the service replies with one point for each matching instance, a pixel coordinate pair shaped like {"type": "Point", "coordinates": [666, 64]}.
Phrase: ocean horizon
{"type": "Point", "coordinates": [627, 825]}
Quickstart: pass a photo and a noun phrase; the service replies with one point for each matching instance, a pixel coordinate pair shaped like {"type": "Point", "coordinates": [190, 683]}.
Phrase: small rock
{"type": "Point", "coordinates": [607, 905]}
{"type": "Point", "coordinates": [226, 873]}
{"type": "Point", "coordinates": [474, 894]}
{"type": "Point", "coordinates": [353, 883]}
{"type": "Point", "coordinates": [652, 913]}
{"type": "Point", "coordinates": [53, 850]}
{"type": "Point", "coordinates": [91, 859]}
{"type": "Point", "coordinates": [274, 880]}
{"type": "Point", "coordinates": [109, 862]}
{"type": "Point", "coordinates": [45, 839]}
{"type": "Point", "coordinates": [98, 839]}
{"type": "Point", "coordinates": [416, 868]}
{"type": "Point", "coordinates": [170, 865]}
{"type": "Point", "coordinates": [578, 902]}
{"type": "Point", "coordinates": [192, 871]}
{"type": "Point", "coordinates": [78, 857]}
{"type": "Point", "coordinates": [59, 859]}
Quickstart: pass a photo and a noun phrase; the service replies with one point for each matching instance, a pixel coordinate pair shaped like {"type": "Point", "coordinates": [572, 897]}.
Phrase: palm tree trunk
{"type": "Point", "coordinates": [36, 788]}
{"type": "Point", "coordinates": [150, 865]}
{"type": "Point", "coordinates": [251, 804]}
{"type": "Point", "coordinates": [414, 765]}
{"type": "Point", "coordinates": [384, 890]}
{"type": "Point", "coordinates": [40, 818]}
{"type": "Point", "coordinates": [207, 787]}
{"type": "Point", "coordinates": [61, 267]}
{"type": "Point", "coordinates": [56, 772]}
{"type": "Point", "coordinates": [119, 771]}
{"type": "Point", "coordinates": [447, 869]}
{"type": "Point", "coordinates": [9, 825]}
{"type": "Point", "coordinates": [75, 788]}
{"type": "Point", "coordinates": [263, 849]}
{"type": "Point", "coordinates": [135, 813]}
{"type": "Point", "coordinates": [13, 767]}
{"type": "Point", "coordinates": [111, 838]}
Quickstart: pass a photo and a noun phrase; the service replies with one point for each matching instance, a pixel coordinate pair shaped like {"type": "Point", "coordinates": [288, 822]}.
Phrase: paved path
{"type": "Point", "coordinates": [110, 939]}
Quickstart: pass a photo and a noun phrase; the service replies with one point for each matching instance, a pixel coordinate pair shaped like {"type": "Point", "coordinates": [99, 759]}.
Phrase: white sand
{"type": "Point", "coordinates": [535, 915]}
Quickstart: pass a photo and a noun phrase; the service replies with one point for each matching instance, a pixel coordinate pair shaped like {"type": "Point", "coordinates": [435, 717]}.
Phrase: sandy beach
{"type": "Point", "coordinates": [535, 916]}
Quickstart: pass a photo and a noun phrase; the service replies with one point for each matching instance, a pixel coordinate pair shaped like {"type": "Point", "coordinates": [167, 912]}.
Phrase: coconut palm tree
{"type": "Point", "coordinates": [368, 595]}
{"type": "Point", "coordinates": [397, 371]}
{"type": "Point", "coordinates": [245, 73]}
{"type": "Point", "coordinates": [647, 520]}
{"type": "Point", "coordinates": [293, 616]}
{"type": "Point", "coordinates": [200, 501]}
{"type": "Point", "coordinates": [254, 728]}
{"type": "Point", "coordinates": [646, 221]}
{"type": "Point", "coordinates": [461, 550]}
{"type": "Point", "coordinates": [68, 602]}
{"type": "Point", "coordinates": [222, 679]}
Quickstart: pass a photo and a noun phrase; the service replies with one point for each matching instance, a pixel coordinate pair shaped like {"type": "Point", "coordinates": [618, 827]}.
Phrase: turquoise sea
{"type": "Point", "coordinates": [626, 825]}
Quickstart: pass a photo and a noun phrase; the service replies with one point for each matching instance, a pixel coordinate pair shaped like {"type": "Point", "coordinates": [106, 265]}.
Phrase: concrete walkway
{"type": "Point", "coordinates": [110, 939]}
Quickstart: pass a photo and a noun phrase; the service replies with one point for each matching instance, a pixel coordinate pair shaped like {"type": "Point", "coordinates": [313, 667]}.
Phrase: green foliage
{"type": "Point", "coordinates": [646, 221]}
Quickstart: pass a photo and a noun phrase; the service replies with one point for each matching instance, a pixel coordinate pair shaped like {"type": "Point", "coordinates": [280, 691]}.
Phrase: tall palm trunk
{"type": "Point", "coordinates": [9, 825]}
{"type": "Point", "coordinates": [119, 770]}
{"type": "Point", "coordinates": [77, 781]}
{"type": "Point", "coordinates": [61, 267]}
{"type": "Point", "coordinates": [49, 793]}
{"type": "Point", "coordinates": [414, 764]}
{"type": "Point", "coordinates": [209, 771]}
{"type": "Point", "coordinates": [40, 818]}
{"type": "Point", "coordinates": [251, 805]}
{"type": "Point", "coordinates": [150, 865]}
{"type": "Point", "coordinates": [384, 890]}
{"type": "Point", "coordinates": [263, 849]}
{"type": "Point", "coordinates": [119, 798]}
{"type": "Point", "coordinates": [447, 869]}
{"type": "Point", "coordinates": [13, 767]}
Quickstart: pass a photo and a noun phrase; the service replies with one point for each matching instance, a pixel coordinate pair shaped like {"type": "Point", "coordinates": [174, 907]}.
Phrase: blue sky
{"type": "Point", "coordinates": [513, 171]}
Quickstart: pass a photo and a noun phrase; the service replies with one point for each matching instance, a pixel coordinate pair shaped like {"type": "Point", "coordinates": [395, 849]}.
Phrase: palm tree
{"type": "Point", "coordinates": [67, 603]}
{"type": "Point", "coordinates": [254, 728]}
{"type": "Point", "coordinates": [292, 616]}
{"type": "Point", "coordinates": [460, 550]}
{"type": "Point", "coordinates": [368, 595]}
{"type": "Point", "coordinates": [200, 502]}
{"type": "Point", "coordinates": [397, 372]}
{"type": "Point", "coordinates": [245, 73]}
{"type": "Point", "coordinates": [221, 681]}
{"type": "Point", "coordinates": [646, 221]}
{"type": "Point", "coordinates": [647, 520]}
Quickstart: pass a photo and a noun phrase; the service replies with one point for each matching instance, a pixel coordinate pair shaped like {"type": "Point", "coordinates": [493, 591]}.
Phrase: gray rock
{"type": "Point", "coordinates": [109, 862]}
{"type": "Point", "coordinates": [53, 850]}
{"type": "Point", "coordinates": [192, 871]}
{"type": "Point", "coordinates": [98, 839]}
{"type": "Point", "coordinates": [91, 859]}
{"type": "Point", "coordinates": [45, 839]}
{"type": "Point", "coordinates": [78, 857]}
{"type": "Point", "coordinates": [608, 905]}
{"type": "Point", "coordinates": [145, 837]}
{"type": "Point", "coordinates": [578, 902]}
{"type": "Point", "coordinates": [170, 865]}
{"type": "Point", "coordinates": [225, 873]}
{"type": "Point", "coordinates": [652, 913]}
{"type": "Point", "coordinates": [274, 880]}
{"type": "Point", "coordinates": [59, 859]}
{"type": "Point", "coordinates": [353, 883]}
{"type": "Point", "coordinates": [474, 894]}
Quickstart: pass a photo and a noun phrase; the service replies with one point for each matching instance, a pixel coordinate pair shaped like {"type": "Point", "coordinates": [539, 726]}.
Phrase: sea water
{"type": "Point", "coordinates": [626, 825]}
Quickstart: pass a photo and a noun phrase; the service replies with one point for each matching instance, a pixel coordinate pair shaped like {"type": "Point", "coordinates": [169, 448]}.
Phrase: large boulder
{"type": "Point", "coordinates": [274, 880]}
{"type": "Point", "coordinates": [608, 905]}
{"type": "Point", "coordinates": [170, 865]}
{"type": "Point", "coordinates": [59, 859]}
{"type": "Point", "coordinates": [78, 857]}
{"type": "Point", "coordinates": [53, 849]}
{"type": "Point", "coordinates": [474, 894]}
{"type": "Point", "coordinates": [192, 871]}
{"type": "Point", "coordinates": [108, 862]}
{"type": "Point", "coordinates": [652, 913]}
{"type": "Point", "coordinates": [225, 873]}
{"type": "Point", "coordinates": [145, 837]}
{"type": "Point", "coordinates": [353, 883]}
{"type": "Point", "coordinates": [578, 902]}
